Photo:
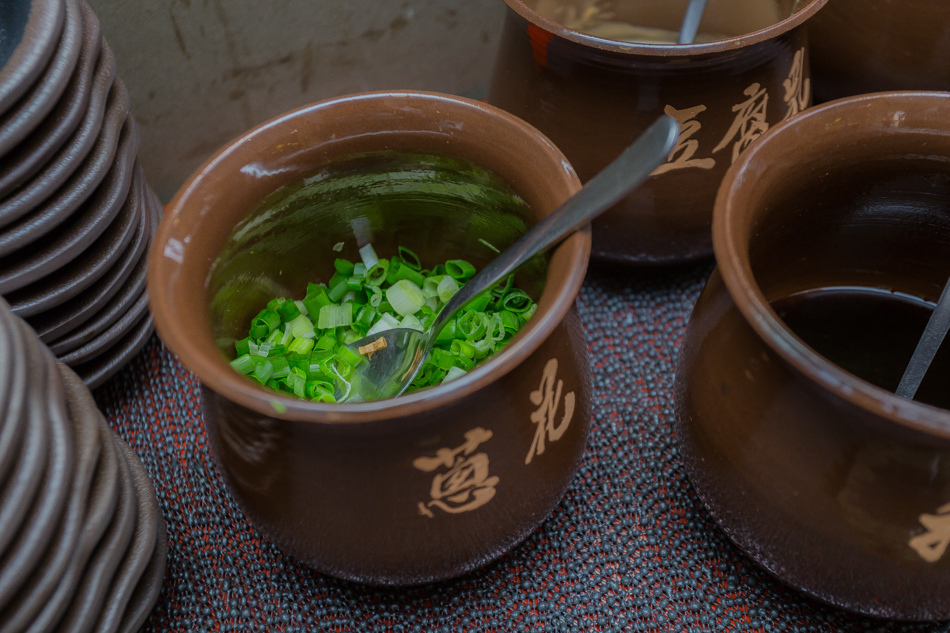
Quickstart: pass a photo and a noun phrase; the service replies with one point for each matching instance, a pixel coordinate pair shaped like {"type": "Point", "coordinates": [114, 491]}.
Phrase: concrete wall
{"type": "Point", "coordinates": [202, 71]}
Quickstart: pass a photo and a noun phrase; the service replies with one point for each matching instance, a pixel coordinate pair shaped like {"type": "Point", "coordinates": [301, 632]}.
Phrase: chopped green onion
{"type": "Point", "coordinates": [447, 289]}
{"type": "Point", "coordinates": [489, 245]}
{"type": "Point", "coordinates": [453, 373]}
{"type": "Point", "coordinates": [447, 335]}
{"type": "Point", "coordinates": [325, 342]}
{"type": "Point", "coordinates": [462, 348]}
{"type": "Point", "coordinates": [431, 286]}
{"type": "Point", "coordinates": [516, 301]}
{"type": "Point", "coordinates": [376, 274]}
{"type": "Point", "coordinates": [509, 321]}
{"type": "Point", "coordinates": [410, 258]}
{"type": "Point", "coordinates": [348, 356]}
{"type": "Point", "coordinates": [266, 321]}
{"type": "Point", "coordinates": [369, 257]}
{"type": "Point", "coordinates": [333, 316]}
{"type": "Point", "coordinates": [288, 311]}
{"type": "Point", "coordinates": [262, 370]}
{"type": "Point", "coordinates": [338, 288]}
{"type": "Point", "coordinates": [459, 268]}
{"type": "Point", "coordinates": [243, 346]}
{"type": "Point", "coordinates": [301, 327]}
{"type": "Point", "coordinates": [472, 325]}
{"type": "Point", "coordinates": [300, 347]}
{"type": "Point", "coordinates": [243, 364]}
{"type": "Point", "coordinates": [344, 266]}
{"type": "Point", "coordinates": [376, 296]}
{"type": "Point", "coordinates": [405, 297]}
{"type": "Point", "coordinates": [399, 270]}
{"type": "Point", "coordinates": [276, 337]}
{"type": "Point", "coordinates": [479, 303]}
{"type": "Point", "coordinates": [386, 322]}
{"type": "Point", "coordinates": [411, 322]}
{"type": "Point", "coordinates": [281, 367]}
{"type": "Point", "coordinates": [316, 300]}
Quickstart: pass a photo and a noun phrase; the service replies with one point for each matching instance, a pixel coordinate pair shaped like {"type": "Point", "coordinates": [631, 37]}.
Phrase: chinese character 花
{"type": "Point", "coordinates": [547, 398]}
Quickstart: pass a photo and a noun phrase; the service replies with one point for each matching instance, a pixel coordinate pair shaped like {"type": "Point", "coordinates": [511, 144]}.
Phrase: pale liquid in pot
{"type": "Point", "coordinates": [642, 22]}
{"type": "Point", "coordinates": [869, 332]}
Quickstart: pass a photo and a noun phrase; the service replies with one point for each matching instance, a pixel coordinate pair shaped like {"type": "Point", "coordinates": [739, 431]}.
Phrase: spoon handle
{"type": "Point", "coordinates": [627, 171]}
{"type": "Point", "coordinates": [694, 14]}
{"type": "Point", "coordinates": [930, 341]}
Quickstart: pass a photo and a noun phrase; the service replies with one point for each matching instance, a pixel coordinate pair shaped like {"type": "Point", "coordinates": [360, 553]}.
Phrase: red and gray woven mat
{"type": "Point", "coordinates": [630, 548]}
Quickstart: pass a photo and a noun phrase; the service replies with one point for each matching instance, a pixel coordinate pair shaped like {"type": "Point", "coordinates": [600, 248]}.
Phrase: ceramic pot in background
{"type": "Point", "coordinates": [416, 489]}
{"type": "Point", "coordinates": [592, 97]}
{"type": "Point", "coordinates": [861, 46]}
{"type": "Point", "coordinates": [835, 485]}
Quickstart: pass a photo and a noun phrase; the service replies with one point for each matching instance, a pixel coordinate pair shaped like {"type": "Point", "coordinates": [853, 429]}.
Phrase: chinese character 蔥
{"type": "Point", "coordinates": [797, 89]}
{"type": "Point", "coordinates": [548, 399]}
{"type": "Point", "coordinates": [464, 485]}
{"type": "Point", "coordinates": [749, 123]}
{"type": "Point", "coordinates": [681, 156]}
{"type": "Point", "coordinates": [932, 544]}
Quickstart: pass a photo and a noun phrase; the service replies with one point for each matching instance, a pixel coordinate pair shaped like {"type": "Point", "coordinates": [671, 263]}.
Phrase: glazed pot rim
{"type": "Point", "coordinates": [673, 51]}
{"type": "Point", "coordinates": [733, 261]}
{"type": "Point", "coordinates": [216, 373]}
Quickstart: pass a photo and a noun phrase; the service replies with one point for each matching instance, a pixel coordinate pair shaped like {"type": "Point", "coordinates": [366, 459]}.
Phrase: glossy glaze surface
{"type": "Point", "coordinates": [401, 482]}
{"type": "Point", "coordinates": [592, 97]}
{"type": "Point", "coordinates": [836, 486]}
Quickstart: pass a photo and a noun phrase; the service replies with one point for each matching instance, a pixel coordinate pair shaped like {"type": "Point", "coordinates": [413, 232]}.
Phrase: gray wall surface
{"type": "Point", "coordinates": [200, 72]}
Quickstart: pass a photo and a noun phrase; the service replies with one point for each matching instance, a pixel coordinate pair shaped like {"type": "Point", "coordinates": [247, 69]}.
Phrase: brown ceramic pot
{"type": "Point", "coordinates": [861, 46]}
{"type": "Point", "coordinates": [592, 97]}
{"type": "Point", "coordinates": [410, 490]}
{"type": "Point", "coordinates": [833, 484]}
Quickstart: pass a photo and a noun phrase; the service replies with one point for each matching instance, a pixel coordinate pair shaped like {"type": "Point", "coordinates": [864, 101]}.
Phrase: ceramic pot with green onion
{"type": "Point", "coordinates": [436, 482]}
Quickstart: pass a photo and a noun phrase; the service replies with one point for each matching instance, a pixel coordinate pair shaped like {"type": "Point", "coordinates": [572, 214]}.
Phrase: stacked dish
{"type": "Point", "coordinates": [76, 214]}
{"type": "Point", "coordinates": [82, 540]}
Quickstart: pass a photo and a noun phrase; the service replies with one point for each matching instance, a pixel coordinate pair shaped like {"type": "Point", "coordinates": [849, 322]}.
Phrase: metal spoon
{"type": "Point", "coordinates": [694, 13]}
{"type": "Point", "coordinates": [927, 347]}
{"type": "Point", "coordinates": [387, 371]}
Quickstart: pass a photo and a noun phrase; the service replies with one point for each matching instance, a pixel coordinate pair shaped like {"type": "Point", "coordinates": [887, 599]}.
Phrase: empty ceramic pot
{"type": "Point", "coordinates": [861, 46]}
{"type": "Point", "coordinates": [593, 96]}
{"type": "Point", "coordinates": [408, 490]}
{"type": "Point", "coordinates": [832, 237]}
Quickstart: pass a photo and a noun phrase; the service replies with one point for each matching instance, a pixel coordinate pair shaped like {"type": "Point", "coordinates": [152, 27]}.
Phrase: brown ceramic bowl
{"type": "Point", "coordinates": [402, 491]}
{"type": "Point", "coordinates": [861, 46]}
{"type": "Point", "coordinates": [593, 96]}
{"type": "Point", "coordinates": [832, 483]}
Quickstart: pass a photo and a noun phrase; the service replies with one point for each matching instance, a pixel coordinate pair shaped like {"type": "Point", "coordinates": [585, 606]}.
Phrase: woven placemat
{"type": "Point", "coordinates": [630, 548]}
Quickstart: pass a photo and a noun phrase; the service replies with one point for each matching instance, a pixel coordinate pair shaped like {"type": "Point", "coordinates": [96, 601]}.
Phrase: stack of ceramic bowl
{"type": "Point", "coordinates": [76, 214]}
{"type": "Point", "coordinates": [82, 540]}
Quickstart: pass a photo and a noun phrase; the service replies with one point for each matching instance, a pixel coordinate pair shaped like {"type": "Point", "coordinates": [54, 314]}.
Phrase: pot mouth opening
{"type": "Point", "coordinates": [192, 205]}
{"type": "Point", "coordinates": [878, 121]}
{"type": "Point", "coordinates": [674, 51]}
